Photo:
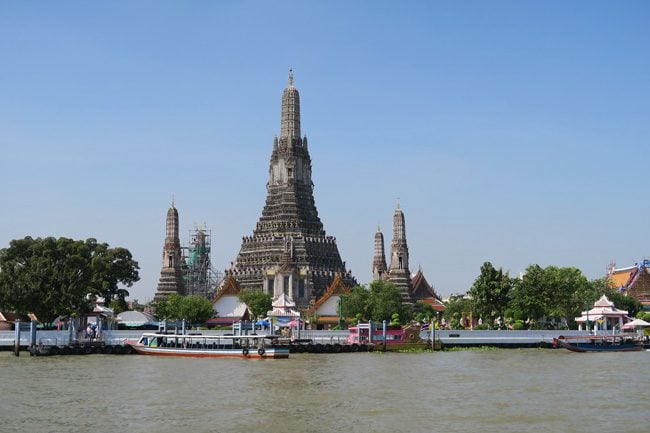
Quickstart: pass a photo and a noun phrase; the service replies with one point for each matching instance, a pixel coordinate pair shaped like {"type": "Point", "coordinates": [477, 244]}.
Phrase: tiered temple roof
{"type": "Point", "coordinates": [289, 251]}
{"type": "Point", "coordinates": [632, 280]}
{"type": "Point", "coordinates": [171, 274]}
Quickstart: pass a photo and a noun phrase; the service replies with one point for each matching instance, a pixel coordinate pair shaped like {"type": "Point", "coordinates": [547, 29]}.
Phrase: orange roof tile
{"type": "Point", "coordinates": [619, 278]}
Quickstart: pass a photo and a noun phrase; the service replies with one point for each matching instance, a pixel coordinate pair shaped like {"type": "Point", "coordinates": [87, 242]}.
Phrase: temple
{"type": "Point", "coordinates": [399, 273]}
{"type": "Point", "coordinates": [379, 259]}
{"type": "Point", "coordinates": [171, 274]}
{"type": "Point", "coordinates": [412, 288]}
{"type": "Point", "coordinates": [634, 281]}
{"type": "Point", "coordinates": [289, 252]}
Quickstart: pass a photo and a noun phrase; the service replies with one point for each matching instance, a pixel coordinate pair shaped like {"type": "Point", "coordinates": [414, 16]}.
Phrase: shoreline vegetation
{"type": "Point", "coordinates": [61, 279]}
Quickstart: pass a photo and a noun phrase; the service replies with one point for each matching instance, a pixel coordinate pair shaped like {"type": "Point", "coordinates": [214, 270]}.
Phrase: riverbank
{"type": "Point", "coordinates": [325, 341]}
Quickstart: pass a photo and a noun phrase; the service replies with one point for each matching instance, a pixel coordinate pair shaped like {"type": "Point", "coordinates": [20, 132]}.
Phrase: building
{"type": "Point", "coordinates": [422, 291]}
{"type": "Point", "coordinates": [198, 276]}
{"type": "Point", "coordinates": [398, 272]}
{"type": "Point", "coordinates": [326, 312]}
{"type": "Point", "coordinates": [413, 288]}
{"type": "Point", "coordinates": [603, 316]}
{"type": "Point", "coordinates": [171, 274]}
{"type": "Point", "coordinates": [228, 309]}
{"type": "Point", "coordinates": [633, 281]}
{"type": "Point", "coordinates": [379, 268]}
{"type": "Point", "coordinates": [289, 252]}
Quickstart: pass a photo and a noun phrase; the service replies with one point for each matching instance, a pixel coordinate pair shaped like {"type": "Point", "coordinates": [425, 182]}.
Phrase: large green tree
{"type": "Point", "coordinates": [354, 303]}
{"type": "Point", "coordinates": [193, 308]}
{"type": "Point", "coordinates": [384, 301]}
{"type": "Point", "coordinates": [561, 292]}
{"type": "Point", "coordinates": [52, 277]}
{"type": "Point", "coordinates": [489, 293]}
{"type": "Point", "coordinates": [529, 296]}
{"type": "Point", "coordinates": [258, 302]}
{"type": "Point", "coordinates": [378, 302]}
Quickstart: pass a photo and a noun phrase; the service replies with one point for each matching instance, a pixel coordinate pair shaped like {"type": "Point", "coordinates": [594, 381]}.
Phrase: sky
{"type": "Point", "coordinates": [511, 132]}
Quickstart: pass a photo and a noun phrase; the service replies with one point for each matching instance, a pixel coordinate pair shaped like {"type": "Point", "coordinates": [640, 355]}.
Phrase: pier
{"type": "Point", "coordinates": [26, 337]}
{"type": "Point", "coordinates": [42, 343]}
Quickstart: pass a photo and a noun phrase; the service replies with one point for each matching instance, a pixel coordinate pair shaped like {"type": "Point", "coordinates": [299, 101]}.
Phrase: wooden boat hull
{"type": "Point", "coordinates": [269, 352]}
{"type": "Point", "coordinates": [594, 346]}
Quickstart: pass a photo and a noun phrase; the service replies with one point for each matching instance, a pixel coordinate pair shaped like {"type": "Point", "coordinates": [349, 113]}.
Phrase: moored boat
{"type": "Point", "coordinates": [394, 338]}
{"type": "Point", "coordinates": [209, 346]}
{"type": "Point", "coordinates": [600, 343]}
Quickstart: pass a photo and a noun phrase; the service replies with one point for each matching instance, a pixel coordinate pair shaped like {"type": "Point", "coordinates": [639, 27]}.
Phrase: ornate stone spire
{"type": "Point", "coordinates": [399, 272]}
{"type": "Point", "coordinates": [171, 274]}
{"type": "Point", "coordinates": [171, 232]}
{"type": "Point", "coordinates": [289, 252]}
{"type": "Point", "coordinates": [399, 249]}
{"type": "Point", "coordinates": [290, 118]}
{"type": "Point", "coordinates": [379, 259]}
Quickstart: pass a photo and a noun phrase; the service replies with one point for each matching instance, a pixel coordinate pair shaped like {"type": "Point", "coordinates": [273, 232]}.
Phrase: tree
{"type": "Point", "coordinates": [457, 307]}
{"type": "Point", "coordinates": [377, 302]}
{"type": "Point", "coordinates": [196, 309]}
{"type": "Point", "coordinates": [258, 303]}
{"type": "Point", "coordinates": [52, 277]}
{"type": "Point", "coordinates": [192, 308]}
{"type": "Point", "coordinates": [170, 307]}
{"type": "Point", "coordinates": [354, 304]}
{"type": "Point", "coordinates": [529, 294]}
{"type": "Point", "coordinates": [424, 312]}
{"type": "Point", "coordinates": [489, 293]}
{"type": "Point", "coordinates": [384, 301]}
{"type": "Point", "coordinates": [118, 306]}
{"type": "Point", "coordinates": [560, 292]}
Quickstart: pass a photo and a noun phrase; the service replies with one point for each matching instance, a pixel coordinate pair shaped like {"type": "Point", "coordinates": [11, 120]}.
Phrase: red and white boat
{"type": "Point", "coordinates": [210, 346]}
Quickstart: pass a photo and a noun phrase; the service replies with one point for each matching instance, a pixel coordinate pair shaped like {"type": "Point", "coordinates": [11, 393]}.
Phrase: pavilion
{"type": "Point", "coordinates": [603, 316]}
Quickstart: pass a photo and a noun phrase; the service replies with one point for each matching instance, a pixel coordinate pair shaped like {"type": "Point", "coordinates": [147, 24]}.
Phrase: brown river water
{"type": "Point", "coordinates": [507, 390]}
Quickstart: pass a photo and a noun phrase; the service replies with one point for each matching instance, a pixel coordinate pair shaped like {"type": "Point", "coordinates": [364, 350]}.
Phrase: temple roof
{"type": "Point", "coordinates": [603, 302]}
{"type": "Point", "coordinates": [420, 284]}
{"type": "Point", "coordinates": [229, 287]}
{"type": "Point", "coordinates": [337, 287]}
{"type": "Point", "coordinates": [602, 308]}
{"type": "Point", "coordinates": [625, 278]}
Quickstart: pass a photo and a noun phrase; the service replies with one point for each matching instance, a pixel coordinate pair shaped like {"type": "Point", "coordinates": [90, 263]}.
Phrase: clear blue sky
{"type": "Point", "coordinates": [512, 132]}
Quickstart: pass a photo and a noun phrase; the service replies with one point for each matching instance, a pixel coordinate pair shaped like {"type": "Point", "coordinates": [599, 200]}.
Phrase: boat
{"type": "Point", "coordinates": [209, 346]}
{"type": "Point", "coordinates": [396, 337]}
{"type": "Point", "coordinates": [600, 343]}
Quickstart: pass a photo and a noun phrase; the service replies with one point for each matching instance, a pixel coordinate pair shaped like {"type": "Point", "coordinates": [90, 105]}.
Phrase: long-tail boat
{"type": "Point", "coordinates": [600, 343]}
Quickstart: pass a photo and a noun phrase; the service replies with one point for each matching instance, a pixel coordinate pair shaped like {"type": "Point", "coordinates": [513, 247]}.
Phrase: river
{"type": "Point", "coordinates": [504, 390]}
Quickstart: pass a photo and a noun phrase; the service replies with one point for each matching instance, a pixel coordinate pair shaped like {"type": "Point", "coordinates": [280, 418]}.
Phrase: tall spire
{"type": "Point", "coordinates": [399, 273]}
{"type": "Point", "coordinates": [379, 259]}
{"type": "Point", "coordinates": [399, 229]}
{"type": "Point", "coordinates": [290, 118]}
{"type": "Point", "coordinates": [289, 253]}
{"type": "Point", "coordinates": [171, 274]}
{"type": "Point", "coordinates": [171, 232]}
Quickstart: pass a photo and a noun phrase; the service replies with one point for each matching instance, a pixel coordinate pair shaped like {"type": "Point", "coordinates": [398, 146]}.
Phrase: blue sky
{"type": "Point", "coordinates": [512, 132]}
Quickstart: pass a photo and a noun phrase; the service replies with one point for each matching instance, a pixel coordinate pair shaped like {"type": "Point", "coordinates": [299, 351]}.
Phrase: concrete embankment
{"type": "Point", "coordinates": [113, 342]}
